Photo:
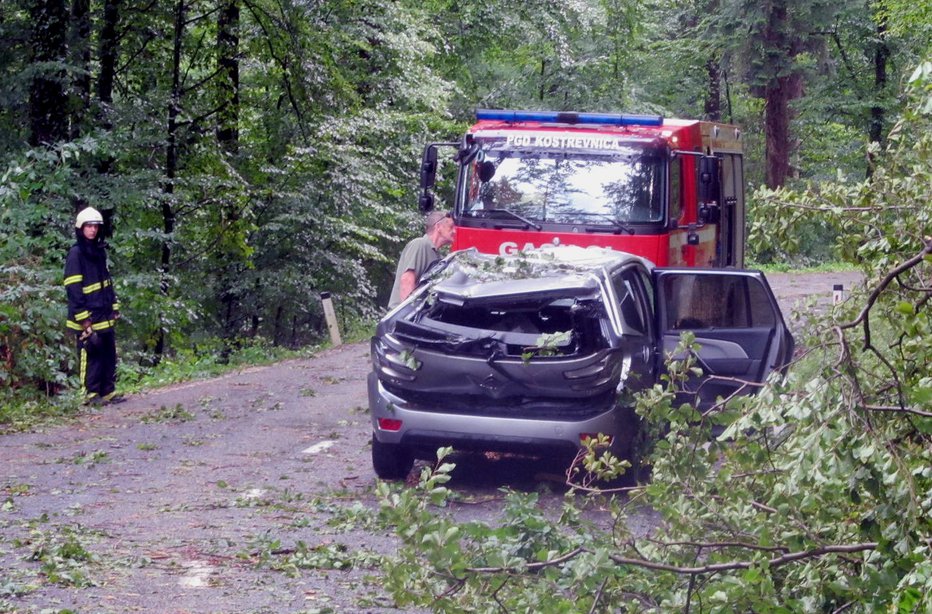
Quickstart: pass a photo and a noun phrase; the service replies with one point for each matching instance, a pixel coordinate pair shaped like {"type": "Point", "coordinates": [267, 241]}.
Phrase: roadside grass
{"type": "Point", "coordinates": [25, 410]}
{"type": "Point", "coordinates": [202, 362]}
{"type": "Point", "coordinates": [205, 360]}
{"type": "Point", "coordinates": [788, 267]}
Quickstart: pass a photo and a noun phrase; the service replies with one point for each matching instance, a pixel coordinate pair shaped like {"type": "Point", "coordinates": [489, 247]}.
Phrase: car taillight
{"type": "Point", "coordinates": [602, 372]}
{"type": "Point", "coordinates": [588, 371]}
{"type": "Point", "coordinates": [389, 424]}
{"type": "Point", "coordinates": [392, 363]}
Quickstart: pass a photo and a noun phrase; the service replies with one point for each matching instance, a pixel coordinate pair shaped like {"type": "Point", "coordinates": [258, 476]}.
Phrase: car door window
{"type": "Point", "coordinates": [715, 301]}
{"type": "Point", "coordinates": [739, 332]}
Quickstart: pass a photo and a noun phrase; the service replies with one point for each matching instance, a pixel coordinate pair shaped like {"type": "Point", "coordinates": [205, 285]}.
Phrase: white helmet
{"type": "Point", "coordinates": [88, 216]}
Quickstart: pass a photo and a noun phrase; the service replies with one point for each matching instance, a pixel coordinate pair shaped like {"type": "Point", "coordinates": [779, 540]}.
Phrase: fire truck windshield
{"type": "Point", "coordinates": [618, 185]}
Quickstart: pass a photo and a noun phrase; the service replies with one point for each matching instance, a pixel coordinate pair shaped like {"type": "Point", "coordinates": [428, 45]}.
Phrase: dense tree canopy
{"type": "Point", "coordinates": [251, 154]}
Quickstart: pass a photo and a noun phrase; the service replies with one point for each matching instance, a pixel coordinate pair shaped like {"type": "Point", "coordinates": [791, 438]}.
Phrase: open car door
{"type": "Point", "coordinates": [737, 323]}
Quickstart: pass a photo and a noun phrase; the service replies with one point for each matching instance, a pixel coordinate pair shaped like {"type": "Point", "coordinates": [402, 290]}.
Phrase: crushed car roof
{"type": "Point", "coordinates": [469, 274]}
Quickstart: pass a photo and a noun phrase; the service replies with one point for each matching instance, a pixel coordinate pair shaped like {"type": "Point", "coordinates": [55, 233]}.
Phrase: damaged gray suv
{"type": "Point", "coordinates": [533, 353]}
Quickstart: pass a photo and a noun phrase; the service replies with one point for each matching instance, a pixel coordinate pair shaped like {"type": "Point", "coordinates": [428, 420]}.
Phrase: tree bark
{"type": "Point", "coordinates": [781, 88]}
{"type": "Point", "coordinates": [81, 61]}
{"type": "Point", "coordinates": [228, 61]}
{"type": "Point", "coordinates": [48, 104]}
{"type": "Point", "coordinates": [228, 138]}
{"type": "Point", "coordinates": [713, 99]}
{"type": "Point", "coordinates": [875, 132]}
{"type": "Point", "coordinates": [777, 114]}
{"type": "Point", "coordinates": [171, 167]}
{"type": "Point", "coordinates": [109, 46]}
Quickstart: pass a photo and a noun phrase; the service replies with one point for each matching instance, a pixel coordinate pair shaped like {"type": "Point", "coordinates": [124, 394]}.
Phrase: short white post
{"type": "Point", "coordinates": [838, 293]}
{"type": "Point", "coordinates": [331, 317]}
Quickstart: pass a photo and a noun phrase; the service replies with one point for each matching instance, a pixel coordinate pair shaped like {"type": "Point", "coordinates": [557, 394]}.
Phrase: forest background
{"type": "Point", "coordinates": [249, 154]}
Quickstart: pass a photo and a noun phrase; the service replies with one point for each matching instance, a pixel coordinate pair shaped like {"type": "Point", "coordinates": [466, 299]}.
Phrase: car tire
{"type": "Point", "coordinates": [627, 447]}
{"type": "Point", "coordinates": [391, 461]}
{"type": "Point", "coordinates": [626, 451]}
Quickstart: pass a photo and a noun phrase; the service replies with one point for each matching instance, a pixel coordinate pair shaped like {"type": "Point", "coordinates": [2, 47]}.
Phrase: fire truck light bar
{"type": "Point", "coordinates": [560, 117]}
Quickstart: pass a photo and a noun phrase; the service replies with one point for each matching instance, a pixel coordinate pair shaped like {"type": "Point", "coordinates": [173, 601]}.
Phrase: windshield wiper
{"type": "Point", "coordinates": [615, 224]}
{"type": "Point", "coordinates": [516, 216]}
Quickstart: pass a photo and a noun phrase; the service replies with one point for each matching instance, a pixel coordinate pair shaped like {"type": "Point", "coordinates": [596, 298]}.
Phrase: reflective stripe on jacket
{"type": "Point", "coordinates": [89, 287]}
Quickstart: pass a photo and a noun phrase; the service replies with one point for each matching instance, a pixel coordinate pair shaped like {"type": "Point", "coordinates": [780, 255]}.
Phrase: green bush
{"type": "Point", "coordinates": [35, 347]}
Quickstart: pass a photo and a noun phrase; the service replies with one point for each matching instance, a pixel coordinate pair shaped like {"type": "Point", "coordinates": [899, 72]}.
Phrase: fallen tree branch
{"type": "Point", "coordinates": [898, 410]}
{"type": "Point", "coordinates": [530, 566]}
{"type": "Point", "coordinates": [778, 561]}
{"type": "Point", "coordinates": [887, 279]}
{"type": "Point", "coordinates": [763, 508]}
{"type": "Point", "coordinates": [719, 545]}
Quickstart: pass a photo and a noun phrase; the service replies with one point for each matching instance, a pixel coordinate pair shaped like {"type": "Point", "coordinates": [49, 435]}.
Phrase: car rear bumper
{"type": "Point", "coordinates": [422, 427]}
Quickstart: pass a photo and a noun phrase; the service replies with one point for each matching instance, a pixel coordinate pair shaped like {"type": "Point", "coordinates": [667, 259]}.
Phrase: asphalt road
{"type": "Point", "coordinates": [250, 492]}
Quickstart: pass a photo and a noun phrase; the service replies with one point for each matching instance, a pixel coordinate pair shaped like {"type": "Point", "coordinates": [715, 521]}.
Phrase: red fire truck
{"type": "Point", "coordinates": [670, 190]}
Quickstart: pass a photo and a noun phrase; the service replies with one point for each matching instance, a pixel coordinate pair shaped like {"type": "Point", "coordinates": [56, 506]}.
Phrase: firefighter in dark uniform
{"type": "Point", "coordinates": [93, 309]}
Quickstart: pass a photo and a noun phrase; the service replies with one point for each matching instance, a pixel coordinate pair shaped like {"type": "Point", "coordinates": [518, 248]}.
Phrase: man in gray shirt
{"type": "Point", "coordinates": [420, 253]}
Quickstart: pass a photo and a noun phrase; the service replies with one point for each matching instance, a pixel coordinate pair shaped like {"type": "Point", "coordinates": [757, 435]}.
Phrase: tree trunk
{"type": "Point", "coordinates": [81, 60]}
{"type": "Point", "coordinates": [109, 47]}
{"type": "Point", "coordinates": [777, 114]}
{"type": "Point", "coordinates": [781, 88]}
{"type": "Point", "coordinates": [48, 105]}
{"type": "Point", "coordinates": [277, 332]}
{"type": "Point", "coordinates": [728, 105]}
{"type": "Point", "coordinates": [543, 73]}
{"type": "Point", "coordinates": [228, 138]}
{"type": "Point", "coordinates": [713, 99]}
{"type": "Point", "coordinates": [109, 44]}
{"type": "Point", "coordinates": [171, 168]}
{"type": "Point", "coordinates": [228, 60]}
{"type": "Point", "coordinates": [881, 55]}
{"type": "Point", "coordinates": [875, 132]}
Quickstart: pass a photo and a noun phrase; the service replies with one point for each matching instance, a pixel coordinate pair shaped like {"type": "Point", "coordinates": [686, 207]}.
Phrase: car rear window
{"type": "Point", "coordinates": [567, 325]}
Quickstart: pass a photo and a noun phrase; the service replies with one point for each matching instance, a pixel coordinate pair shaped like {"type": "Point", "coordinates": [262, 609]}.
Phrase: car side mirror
{"type": "Point", "coordinates": [429, 167]}
{"type": "Point", "coordinates": [428, 178]}
{"type": "Point", "coordinates": [425, 202]}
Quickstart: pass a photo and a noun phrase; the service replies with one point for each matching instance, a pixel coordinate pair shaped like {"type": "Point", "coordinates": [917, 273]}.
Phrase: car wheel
{"type": "Point", "coordinates": [626, 450]}
{"type": "Point", "coordinates": [391, 461]}
{"type": "Point", "coordinates": [628, 447]}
